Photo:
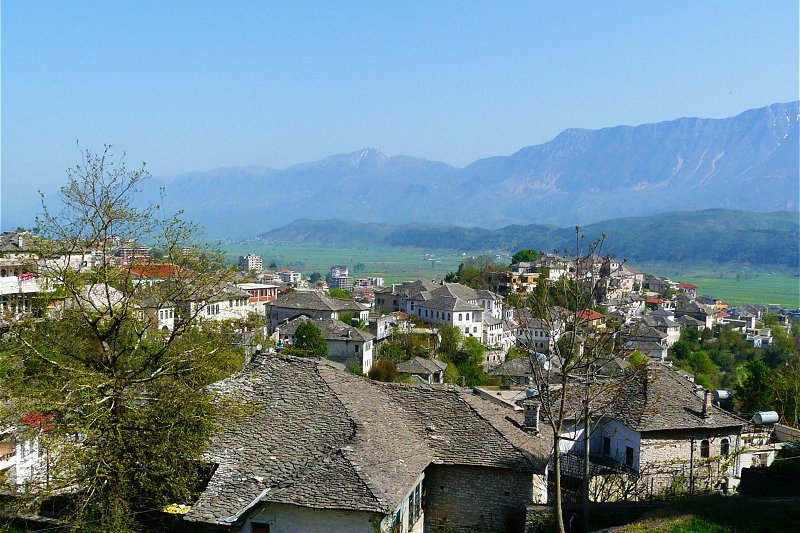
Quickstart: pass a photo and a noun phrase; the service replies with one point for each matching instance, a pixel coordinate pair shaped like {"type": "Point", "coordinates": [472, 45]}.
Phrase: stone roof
{"type": "Point", "coordinates": [332, 330]}
{"type": "Point", "coordinates": [490, 320]}
{"type": "Point", "coordinates": [319, 437]}
{"type": "Point", "coordinates": [659, 320]}
{"type": "Point", "coordinates": [690, 321]}
{"type": "Point", "coordinates": [517, 367]}
{"type": "Point", "coordinates": [447, 297]}
{"type": "Point", "coordinates": [421, 365]}
{"type": "Point", "coordinates": [314, 301]}
{"type": "Point", "coordinates": [661, 400]}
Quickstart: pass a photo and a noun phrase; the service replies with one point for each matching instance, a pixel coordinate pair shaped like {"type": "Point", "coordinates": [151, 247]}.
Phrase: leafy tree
{"type": "Point", "coordinates": [340, 293]}
{"type": "Point", "coordinates": [314, 277]}
{"type": "Point", "coordinates": [525, 255]}
{"type": "Point", "coordinates": [680, 351]}
{"type": "Point", "coordinates": [308, 337]}
{"type": "Point", "coordinates": [756, 393]}
{"type": "Point", "coordinates": [637, 359]}
{"type": "Point", "coordinates": [129, 405]}
{"type": "Point", "coordinates": [384, 370]}
{"type": "Point", "coordinates": [451, 338]}
{"type": "Point", "coordinates": [515, 353]}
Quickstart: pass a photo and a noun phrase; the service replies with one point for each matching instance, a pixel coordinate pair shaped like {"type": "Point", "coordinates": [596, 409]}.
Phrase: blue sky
{"type": "Point", "coordinates": [199, 85]}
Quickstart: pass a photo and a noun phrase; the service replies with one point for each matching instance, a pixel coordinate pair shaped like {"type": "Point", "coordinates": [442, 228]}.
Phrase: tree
{"type": "Point", "coordinates": [451, 338]}
{"type": "Point", "coordinates": [340, 293]}
{"type": "Point", "coordinates": [314, 277]}
{"type": "Point", "coordinates": [567, 383]}
{"type": "Point", "coordinates": [128, 405]}
{"type": "Point", "coordinates": [308, 337]}
{"type": "Point", "coordinates": [384, 370]}
{"type": "Point", "coordinates": [756, 393]}
{"type": "Point", "coordinates": [525, 255]}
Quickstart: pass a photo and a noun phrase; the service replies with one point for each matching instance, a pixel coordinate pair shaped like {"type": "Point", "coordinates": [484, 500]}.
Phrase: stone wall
{"type": "Point", "coordinates": [475, 499]}
{"type": "Point", "coordinates": [665, 460]}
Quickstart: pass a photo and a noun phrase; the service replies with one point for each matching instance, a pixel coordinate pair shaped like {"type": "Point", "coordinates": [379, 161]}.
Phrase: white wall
{"type": "Point", "coordinates": [284, 518]}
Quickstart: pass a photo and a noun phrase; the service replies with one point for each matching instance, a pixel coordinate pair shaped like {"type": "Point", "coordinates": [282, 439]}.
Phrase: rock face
{"type": "Point", "coordinates": [582, 176]}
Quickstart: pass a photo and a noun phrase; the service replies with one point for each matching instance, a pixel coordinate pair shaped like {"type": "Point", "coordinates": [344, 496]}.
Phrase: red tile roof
{"type": "Point", "coordinates": [684, 285]}
{"type": "Point", "coordinates": [588, 314]}
{"type": "Point", "coordinates": [154, 271]}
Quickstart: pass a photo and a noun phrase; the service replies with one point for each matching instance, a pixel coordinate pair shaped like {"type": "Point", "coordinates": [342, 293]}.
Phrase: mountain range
{"type": "Point", "coordinates": [749, 161]}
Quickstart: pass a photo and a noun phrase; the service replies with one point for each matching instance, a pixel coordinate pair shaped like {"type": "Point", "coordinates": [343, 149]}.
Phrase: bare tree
{"type": "Point", "coordinates": [580, 351]}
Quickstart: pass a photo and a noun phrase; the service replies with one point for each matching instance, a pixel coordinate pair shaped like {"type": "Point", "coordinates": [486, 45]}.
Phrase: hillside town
{"type": "Point", "coordinates": [433, 405]}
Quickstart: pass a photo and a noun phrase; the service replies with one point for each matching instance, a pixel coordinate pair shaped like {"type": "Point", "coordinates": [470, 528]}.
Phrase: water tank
{"type": "Point", "coordinates": [766, 417]}
{"type": "Point", "coordinates": [722, 395]}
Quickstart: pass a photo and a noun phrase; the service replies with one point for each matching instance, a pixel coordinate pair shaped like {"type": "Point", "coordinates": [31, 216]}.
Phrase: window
{"type": "Point", "coordinates": [724, 447]}
{"type": "Point", "coordinates": [607, 445]}
{"type": "Point", "coordinates": [467, 315]}
{"type": "Point", "coordinates": [704, 448]}
{"type": "Point", "coordinates": [628, 456]}
{"type": "Point", "coordinates": [466, 330]}
{"type": "Point", "coordinates": [414, 505]}
{"type": "Point", "coordinates": [355, 348]}
{"type": "Point", "coordinates": [459, 317]}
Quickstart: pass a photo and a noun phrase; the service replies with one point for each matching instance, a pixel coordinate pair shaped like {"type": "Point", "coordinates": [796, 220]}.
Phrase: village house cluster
{"type": "Point", "coordinates": [329, 450]}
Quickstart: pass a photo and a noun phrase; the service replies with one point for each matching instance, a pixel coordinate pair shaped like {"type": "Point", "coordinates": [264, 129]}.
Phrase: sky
{"type": "Point", "coordinates": [188, 86]}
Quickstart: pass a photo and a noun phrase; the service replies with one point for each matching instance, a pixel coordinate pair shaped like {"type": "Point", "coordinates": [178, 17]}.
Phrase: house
{"type": "Point", "coordinates": [688, 289]}
{"type": "Point", "coordinates": [290, 277]}
{"type": "Point", "coordinates": [18, 284]}
{"type": "Point", "coordinates": [665, 434]}
{"type": "Point", "coordinates": [591, 319]}
{"type": "Point", "coordinates": [697, 311]}
{"type": "Point", "coordinates": [424, 370]}
{"type": "Point", "coordinates": [452, 304]}
{"type": "Point", "coordinates": [665, 325]}
{"type": "Point", "coordinates": [259, 294]}
{"type": "Point", "coordinates": [651, 342]}
{"type": "Point", "coordinates": [518, 371]}
{"type": "Point", "coordinates": [324, 450]}
{"type": "Point", "coordinates": [340, 278]}
{"type": "Point", "coordinates": [539, 334]}
{"type": "Point", "coordinates": [314, 305]}
{"type": "Point", "coordinates": [346, 344]}
{"type": "Point", "coordinates": [391, 298]}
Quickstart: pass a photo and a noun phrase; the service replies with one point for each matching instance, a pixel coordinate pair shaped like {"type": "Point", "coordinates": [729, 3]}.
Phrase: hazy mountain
{"type": "Point", "coordinates": [581, 176]}
{"type": "Point", "coordinates": [715, 235]}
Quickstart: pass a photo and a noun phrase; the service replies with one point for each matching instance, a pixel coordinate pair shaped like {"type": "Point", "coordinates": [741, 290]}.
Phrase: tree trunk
{"type": "Point", "coordinates": [585, 483]}
{"type": "Point", "coordinates": [557, 490]}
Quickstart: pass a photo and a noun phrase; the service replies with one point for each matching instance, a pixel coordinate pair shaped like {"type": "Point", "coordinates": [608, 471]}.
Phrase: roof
{"type": "Point", "coordinates": [154, 271]}
{"type": "Point", "coordinates": [447, 297]}
{"type": "Point", "coordinates": [314, 301]}
{"type": "Point", "coordinates": [684, 285]}
{"type": "Point", "coordinates": [319, 437]}
{"type": "Point", "coordinates": [688, 320]}
{"type": "Point", "coordinates": [332, 330]}
{"type": "Point", "coordinates": [660, 400]}
{"type": "Point", "coordinates": [251, 286]}
{"type": "Point", "coordinates": [517, 367]}
{"type": "Point", "coordinates": [421, 365]}
{"type": "Point", "coordinates": [588, 314]}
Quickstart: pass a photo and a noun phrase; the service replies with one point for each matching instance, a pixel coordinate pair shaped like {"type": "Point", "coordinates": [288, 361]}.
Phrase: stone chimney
{"type": "Point", "coordinates": [707, 398]}
{"type": "Point", "coordinates": [531, 415]}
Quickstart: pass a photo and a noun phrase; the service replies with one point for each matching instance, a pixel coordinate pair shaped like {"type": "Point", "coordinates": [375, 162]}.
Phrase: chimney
{"type": "Point", "coordinates": [531, 415]}
{"type": "Point", "coordinates": [707, 397]}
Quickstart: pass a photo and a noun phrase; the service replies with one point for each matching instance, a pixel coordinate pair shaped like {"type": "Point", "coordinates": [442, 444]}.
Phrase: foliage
{"type": "Point", "coordinates": [515, 353]}
{"type": "Point", "coordinates": [351, 319]}
{"type": "Point", "coordinates": [405, 346]}
{"type": "Point", "coordinates": [637, 359]}
{"type": "Point", "coordinates": [308, 337]}
{"type": "Point", "coordinates": [475, 272]}
{"type": "Point", "coordinates": [756, 392]}
{"type": "Point", "coordinates": [340, 293]}
{"type": "Point", "coordinates": [451, 339]}
{"type": "Point", "coordinates": [525, 255]}
{"type": "Point", "coordinates": [384, 370]}
{"type": "Point", "coordinates": [314, 277]}
{"type": "Point", "coordinates": [129, 404]}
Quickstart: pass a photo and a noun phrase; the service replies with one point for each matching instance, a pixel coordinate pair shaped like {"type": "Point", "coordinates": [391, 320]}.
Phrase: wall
{"type": "Point", "coordinates": [475, 499]}
{"type": "Point", "coordinates": [284, 518]}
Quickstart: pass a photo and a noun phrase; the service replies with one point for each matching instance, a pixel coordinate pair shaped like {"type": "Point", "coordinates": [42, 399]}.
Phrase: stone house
{"type": "Point", "coordinates": [391, 298]}
{"type": "Point", "coordinates": [313, 305]}
{"type": "Point", "coordinates": [667, 434]}
{"type": "Point", "coordinates": [452, 304]}
{"type": "Point", "coordinates": [328, 451]}
{"type": "Point", "coordinates": [346, 344]}
{"type": "Point", "coordinates": [427, 371]}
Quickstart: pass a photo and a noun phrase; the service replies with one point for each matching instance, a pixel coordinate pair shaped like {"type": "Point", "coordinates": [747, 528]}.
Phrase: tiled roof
{"type": "Point", "coordinates": [660, 400]}
{"type": "Point", "coordinates": [312, 300]}
{"type": "Point", "coordinates": [319, 437]}
{"type": "Point", "coordinates": [420, 365]}
{"type": "Point", "coordinates": [332, 330]}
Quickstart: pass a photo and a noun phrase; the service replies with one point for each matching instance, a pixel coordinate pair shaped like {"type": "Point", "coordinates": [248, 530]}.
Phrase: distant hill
{"type": "Point", "coordinates": [715, 235]}
{"type": "Point", "coordinates": [580, 177]}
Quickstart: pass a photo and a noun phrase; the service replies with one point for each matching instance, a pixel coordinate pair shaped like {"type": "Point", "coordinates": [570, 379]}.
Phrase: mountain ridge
{"type": "Point", "coordinates": [713, 235]}
{"type": "Point", "coordinates": [580, 176]}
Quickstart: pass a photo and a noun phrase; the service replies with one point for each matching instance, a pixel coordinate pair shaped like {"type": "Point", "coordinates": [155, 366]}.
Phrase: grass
{"type": "Point", "coordinates": [718, 514]}
{"type": "Point", "coordinates": [395, 264]}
